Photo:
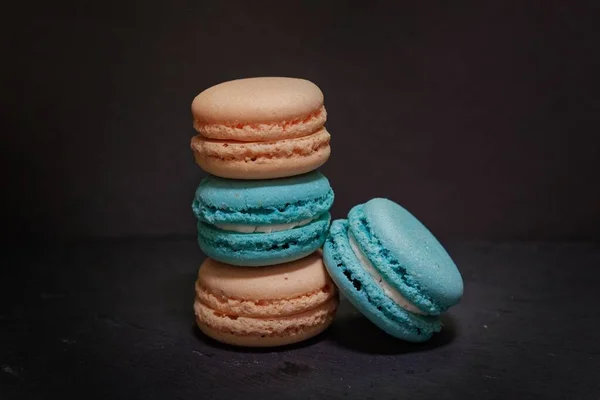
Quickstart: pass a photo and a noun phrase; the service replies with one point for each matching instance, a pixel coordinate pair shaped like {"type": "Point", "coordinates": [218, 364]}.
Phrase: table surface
{"type": "Point", "coordinates": [114, 320]}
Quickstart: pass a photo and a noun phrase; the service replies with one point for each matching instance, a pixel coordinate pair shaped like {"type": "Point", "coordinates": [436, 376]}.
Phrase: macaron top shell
{"type": "Point", "coordinates": [407, 254]}
{"type": "Point", "coordinates": [281, 281]}
{"type": "Point", "coordinates": [269, 201]}
{"type": "Point", "coordinates": [263, 100]}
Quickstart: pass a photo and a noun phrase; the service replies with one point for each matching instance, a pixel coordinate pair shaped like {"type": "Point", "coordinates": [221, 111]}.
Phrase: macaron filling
{"type": "Point", "coordinates": [252, 131]}
{"type": "Point", "coordinates": [284, 325]}
{"type": "Point", "coordinates": [214, 214]}
{"type": "Point", "coordinates": [389, 291]}
{"type": "Point", "coordinates": [282, 240]}
{"type": "Point", "coordinates": [268, 228]}
{"type": "Point", "coordinates": [239, 151]}
{"type": "Point", "coordinates": [263, 308]}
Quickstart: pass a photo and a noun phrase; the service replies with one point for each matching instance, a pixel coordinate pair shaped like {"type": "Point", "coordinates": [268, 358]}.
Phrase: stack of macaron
{"type": "Point", "coordinates": [275, 261]}
{"type": "Point", "coordinates": [262, 212]}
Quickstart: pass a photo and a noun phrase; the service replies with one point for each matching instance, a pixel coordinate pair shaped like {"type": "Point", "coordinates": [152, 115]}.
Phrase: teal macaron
{"type": "Point", "coordinates": [262, 222]}
{"type": "Point", "coordinates": [392, 269]}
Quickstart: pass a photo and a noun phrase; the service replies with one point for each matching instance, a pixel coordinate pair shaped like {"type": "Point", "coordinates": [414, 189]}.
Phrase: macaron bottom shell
{"type": "Point", "coordinates": [406, 254]}
{"type": "Point", "coordinates": [261, 249]}
{"type": "Point", "coordinates": [366, 295]}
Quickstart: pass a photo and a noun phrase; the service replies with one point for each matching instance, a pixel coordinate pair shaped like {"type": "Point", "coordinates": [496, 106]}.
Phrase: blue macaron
{"type": "Point", "coordinates": [262, 222]}
{"type": "Point", "coordinates": [392, 269]}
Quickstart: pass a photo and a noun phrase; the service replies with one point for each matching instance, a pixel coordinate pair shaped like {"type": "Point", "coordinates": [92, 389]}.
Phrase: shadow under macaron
{"type": "Point", "coordinates": [353, 331]}
{"type": "Point", "coordinates": [259, 350]}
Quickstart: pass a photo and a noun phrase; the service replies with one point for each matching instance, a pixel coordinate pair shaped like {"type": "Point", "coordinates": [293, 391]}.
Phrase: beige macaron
{"type": "Point", "coordinates": [260, 128]}
{"type": "Point", "coordinates": [267, 306]}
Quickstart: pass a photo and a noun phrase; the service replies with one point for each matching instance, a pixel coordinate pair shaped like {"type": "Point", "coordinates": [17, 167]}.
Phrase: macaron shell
{"type": "Point", "coordinates": [364, 293]}
{"type": "Point", "coordinates": [386, 265]}
{"type": "Point", "coordinates": [260, 249]}
{"type": "Point", "coordinates": [407, 254]}
{"type": "Point", "coordinates": [283, 281]}
{"type": "Point", "coordinates": [263, 168]}
{"type": "Point", "coordinates": [259, 109]}
{"type": "Point", "coordinates": [265, 332]}
{"type": "Point", "coordinates": [262, 160]}
{"type": "Point", "coordinates": [273, 201]}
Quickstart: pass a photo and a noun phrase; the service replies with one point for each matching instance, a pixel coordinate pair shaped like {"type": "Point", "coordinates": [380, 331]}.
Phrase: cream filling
{"type": "Point", "coordinates": [262, 228]}
{"type": "Point", "coordinates": [389, 291]}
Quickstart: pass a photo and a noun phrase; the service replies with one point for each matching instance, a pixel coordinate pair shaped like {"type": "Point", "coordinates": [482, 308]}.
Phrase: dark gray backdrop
{"type": "Point", "coordinates": [481, 118]}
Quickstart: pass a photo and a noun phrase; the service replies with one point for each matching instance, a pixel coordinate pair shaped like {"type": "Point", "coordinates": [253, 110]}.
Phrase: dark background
{"type": "Point", "coordinates": [479, 117]}
{"type": "Point", "coordinates": [482, 118]}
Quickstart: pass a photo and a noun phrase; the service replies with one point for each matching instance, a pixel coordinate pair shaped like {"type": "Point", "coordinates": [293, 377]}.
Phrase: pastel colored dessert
{"type": "Point", "coordinates": [260, 128]}
{"type": "Point", "coordinates": [392, 269]}
{"type": "Point", "coordinates": [260, 307]}
{"type": "Point", "coordinates": [262, 222]}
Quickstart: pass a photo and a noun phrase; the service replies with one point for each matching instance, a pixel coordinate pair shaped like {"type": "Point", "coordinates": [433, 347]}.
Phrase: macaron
{"type": "Point", "coordinates": [260, 128]}
{"type": "Point", "coordinates": [261, 307]}
{"type": "Point", "coordinates": [262, 222]}
{"type": "Point", "coordinates": [392, 269]}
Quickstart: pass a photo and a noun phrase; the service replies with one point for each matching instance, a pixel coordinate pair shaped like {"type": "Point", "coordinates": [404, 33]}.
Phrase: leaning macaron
{"type": "Point", "coordinates": [392, 269]}
{"type": "Point", "coordinates": [262, 222]}
{"type": "Point", "coordinates": [260, 128]}
{"type": "Point", "coordinates": [261, 307]}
